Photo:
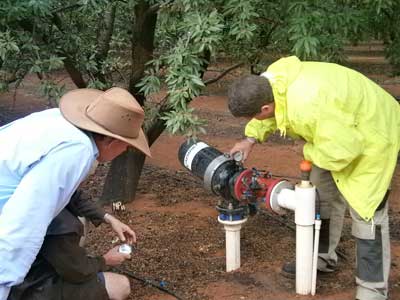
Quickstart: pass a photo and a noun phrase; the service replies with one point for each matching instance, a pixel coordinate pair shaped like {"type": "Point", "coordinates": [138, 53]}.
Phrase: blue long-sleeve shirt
{"type": "Point", "coordinates": [43, 159]}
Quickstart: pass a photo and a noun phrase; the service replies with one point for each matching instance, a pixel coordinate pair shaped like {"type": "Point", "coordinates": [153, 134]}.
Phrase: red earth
{"type": "Point", "coordinates": [180, 241]}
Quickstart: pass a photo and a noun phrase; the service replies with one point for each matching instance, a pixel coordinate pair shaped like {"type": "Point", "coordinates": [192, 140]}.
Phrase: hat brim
{"type": "Point", "coordinates": [73, 105]}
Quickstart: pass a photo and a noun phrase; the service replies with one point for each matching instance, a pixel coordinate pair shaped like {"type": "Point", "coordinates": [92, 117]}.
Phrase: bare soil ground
{"type": "Point", "coordinates": [180, 242]}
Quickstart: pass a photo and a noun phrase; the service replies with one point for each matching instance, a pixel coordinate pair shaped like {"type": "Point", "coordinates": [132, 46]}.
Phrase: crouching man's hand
{"type": "Point", "coordinates": [114, 258]}
{"type": "Point", "coordinates": [124, 232]}
{"type": "Point", "coordinates": [245, 146]}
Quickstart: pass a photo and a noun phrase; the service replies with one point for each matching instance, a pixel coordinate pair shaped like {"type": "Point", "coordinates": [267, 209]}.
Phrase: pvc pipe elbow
{"type": "Point", "coordinates": [287, 199]}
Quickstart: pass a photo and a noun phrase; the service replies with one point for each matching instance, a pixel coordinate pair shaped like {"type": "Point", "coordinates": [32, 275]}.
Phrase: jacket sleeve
{"type": "Point", "coordinates": [40, 196]}
{"type": "Point", "coordinates": [69, 260]}
{"type": "Point", "coordinates": [336, 140]}
{"type": "Point", "coordinates": [84, 207]}
{"type": "Point", "coordinates": [260, 129]}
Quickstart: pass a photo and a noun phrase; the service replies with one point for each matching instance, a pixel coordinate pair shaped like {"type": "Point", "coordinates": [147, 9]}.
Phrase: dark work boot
{"type": "Point", "coordinates": [289, 270]}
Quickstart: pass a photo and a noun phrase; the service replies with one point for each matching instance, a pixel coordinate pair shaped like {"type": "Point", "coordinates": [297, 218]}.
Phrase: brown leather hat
{"type": "Point", "coordinates": [114, 113]}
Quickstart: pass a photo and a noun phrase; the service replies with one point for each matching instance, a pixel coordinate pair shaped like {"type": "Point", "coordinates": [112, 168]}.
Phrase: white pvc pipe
{"type": "Point", "coordinates": [304, 219]}
{"type": "Point", "coordinates": [315, 257]}
{"type": "Point", "coordinates": [305, 208]}
{"type": "Point", "coordinates": [304, 251]}
{"type": "Point", "coordinates": [232, 243]}
{"type": "Point", "coordinates": [287, 199]}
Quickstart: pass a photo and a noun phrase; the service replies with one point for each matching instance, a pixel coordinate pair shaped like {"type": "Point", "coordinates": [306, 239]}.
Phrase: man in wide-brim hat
{"type": "Point", "coordinates": [43, 159]}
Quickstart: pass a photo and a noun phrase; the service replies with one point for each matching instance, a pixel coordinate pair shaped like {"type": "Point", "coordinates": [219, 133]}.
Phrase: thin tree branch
{"type": "Point", "coordinates": [11, 78]}
{"type": "Point", "coordinates": [61, 79]}
{"type": "Point", "coordinates": [74, 5]}
{"type": "Point", "coordinates": [268, 20]}
{"type": "Point", "coordinates": [142, 45]}
{"type": "Point", "coordinates": [271, 31]}
{"type": "Point", "coordinates": [163, 102]}
{"type": "Point", "coordinates": [154, 8]}
{"type": "Point", "coordinates": [69, 62]}
{"type": "Point", "coordinates": [212, 80]}
{"type": "Point", "coordinates": [125, 80]}
{"type": "Point", "coordinates": [104, 35]}
{"type": "Point", "coordinates": [17, 84]}
{"type": "Point", "coordinates": [74, 73]}
{"type": "Point", "coordinates": [61, 9]}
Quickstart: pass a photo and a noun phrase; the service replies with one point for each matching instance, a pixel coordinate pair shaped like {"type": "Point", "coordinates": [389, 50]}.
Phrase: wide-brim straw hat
{"type": "Point", "coordinates": [114, 113]}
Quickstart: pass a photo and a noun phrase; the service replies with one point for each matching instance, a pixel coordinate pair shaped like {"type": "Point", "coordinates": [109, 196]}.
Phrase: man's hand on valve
{"type": "Point", "coordinates": [244, 146]}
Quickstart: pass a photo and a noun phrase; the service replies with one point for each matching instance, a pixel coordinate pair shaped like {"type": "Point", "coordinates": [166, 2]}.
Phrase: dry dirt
{"type": "Point", "coordinates": [180, 242]}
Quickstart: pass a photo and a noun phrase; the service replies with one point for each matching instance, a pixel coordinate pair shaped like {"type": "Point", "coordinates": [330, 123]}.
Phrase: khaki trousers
{"type": "Point", "coordinates": [372, 238]}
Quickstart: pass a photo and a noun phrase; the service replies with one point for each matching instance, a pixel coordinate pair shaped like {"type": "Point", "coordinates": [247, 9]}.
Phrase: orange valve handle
{"type": "Point", "coordinates": [305, 166]}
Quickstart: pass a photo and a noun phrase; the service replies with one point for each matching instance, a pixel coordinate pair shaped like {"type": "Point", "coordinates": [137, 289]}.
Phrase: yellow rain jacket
{"type": "Point", "coordinates": [351, 126]}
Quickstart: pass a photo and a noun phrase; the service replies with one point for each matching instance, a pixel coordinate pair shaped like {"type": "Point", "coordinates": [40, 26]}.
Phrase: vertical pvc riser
{"type": "Point", "coordinates": [304, 251]}
{"type": "Point", "coordinates": [304, 218]}
{"type": "Point", "coordinates": [232, 243]}
{"type": "Point", "coordinates": [232, 236]}
{"type": "Point", "coordinates": [302, 201]}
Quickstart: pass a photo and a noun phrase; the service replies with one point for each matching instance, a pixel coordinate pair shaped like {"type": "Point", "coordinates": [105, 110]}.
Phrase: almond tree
{"type": "Point", "coordinates": [162, 46]}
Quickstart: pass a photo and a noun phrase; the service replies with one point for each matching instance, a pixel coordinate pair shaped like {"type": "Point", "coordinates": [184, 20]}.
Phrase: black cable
{"type": "Point", "coordinates": [284, 176]}
{"type": "Point", "coordinates": [279, 219]}
{"type": "Point", "coordinates": [147, 282]}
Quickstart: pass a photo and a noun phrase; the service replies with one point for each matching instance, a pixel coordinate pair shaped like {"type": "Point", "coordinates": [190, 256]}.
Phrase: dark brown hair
{"type": "Point", "coordinates": [248, 94]}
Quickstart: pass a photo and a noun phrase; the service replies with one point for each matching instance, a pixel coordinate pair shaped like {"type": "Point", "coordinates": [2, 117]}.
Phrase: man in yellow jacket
{"type": "Point", "coordinates": [351, 127]}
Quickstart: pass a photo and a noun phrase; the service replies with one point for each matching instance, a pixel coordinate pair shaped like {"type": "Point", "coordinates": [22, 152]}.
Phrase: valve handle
{"type": "Point", "coordinates": [305, 166]}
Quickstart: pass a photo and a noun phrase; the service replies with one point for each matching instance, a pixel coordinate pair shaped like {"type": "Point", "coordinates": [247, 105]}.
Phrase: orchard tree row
{"type": "Point", "coordinates": [149, 45]}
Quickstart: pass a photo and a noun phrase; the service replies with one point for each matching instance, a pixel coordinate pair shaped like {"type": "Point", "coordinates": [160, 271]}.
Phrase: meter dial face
{"type": "Point", "coordinates": [238, 156]}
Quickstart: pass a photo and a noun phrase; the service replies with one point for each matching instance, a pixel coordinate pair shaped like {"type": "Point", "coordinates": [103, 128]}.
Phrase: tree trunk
{"type": "Point", "coordinates": [123, 177]}
{"type": "Point", "coordinates": [74, 73]}
{"type": "Point", "coordinates": [142, 45]}
{"type": "Point", "coordinates": [124, 174]}
{"type": "Point", "coordinates": [119, 185]}
{"type": "Point", "coordinates": [104, 34]}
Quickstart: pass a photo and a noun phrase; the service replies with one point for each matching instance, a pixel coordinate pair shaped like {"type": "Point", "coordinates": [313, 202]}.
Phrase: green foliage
{"type": "Point", "coordinates": [8, 45]}
{"type": "Point", "coordinates": [94, 40]}
{"type": "Point", "coordinates": [249, 28]}
{"type": "Point", "coordinates": [189, 34]}
{"type": "Point", "coordinates": [183, 121]}
{"type": "Point", "coordinates": [318, 30]}
{"type": "Point", "coordinates": [384, 23]}
{"type": "Point", "coordinates": [241, 15]}
{"type": "Point", "coordinates": [51, 91]}
{"type": "Point", "coordinates": [39, 36]}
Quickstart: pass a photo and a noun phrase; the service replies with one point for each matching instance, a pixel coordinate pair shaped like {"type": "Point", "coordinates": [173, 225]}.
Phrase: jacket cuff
{"type": "Point", "coordinates": [98, 219]}
{"type": "Point", "coordinates": [251, 139]}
